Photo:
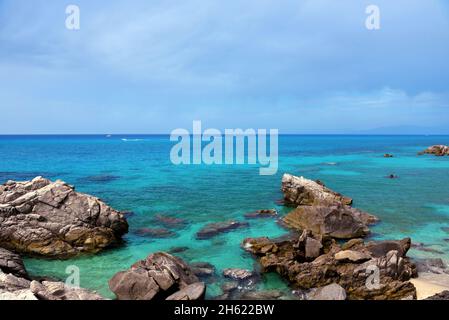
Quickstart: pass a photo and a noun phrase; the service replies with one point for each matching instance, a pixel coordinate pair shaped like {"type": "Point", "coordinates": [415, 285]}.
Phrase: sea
{"type": "Point", "coordinates": [133, 173]}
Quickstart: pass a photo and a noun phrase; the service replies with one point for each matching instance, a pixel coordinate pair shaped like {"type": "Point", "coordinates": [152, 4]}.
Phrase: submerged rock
{"type": "Point", "coordinates": [432, 265]}
{"type": "Point", "coordinates": [51, 219]}
{"type": "Point", "coordinates": [203, 269]}
{"type": "Point", "coordinates": [155, 233]}
{"type": "Point", "coordinates": [170, 222]}
{"type": "Point", "coordinates": [262, 295]}
{"type": "Point", "coordinates": [302, 191]}
{"type": "Point", "coordinates": [178, 250]}
{"type": "Point", "coordinates": [438, 150]}
{"type": "Point", "coordinates": [159, 276]}
{"type": "Point", "coordinates": [337, 221]}
{"type": "Point", "coordinates": [425, 248]}
{"type": "Point", "coordinates": [213, 229]}
{"type": "Point", "coordinates": [238, 274]}
{"type": "Point", "coordinates": [264, 213]}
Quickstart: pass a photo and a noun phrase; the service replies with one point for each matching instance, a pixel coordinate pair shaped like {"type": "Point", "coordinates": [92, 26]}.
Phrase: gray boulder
{"type": "Point", "coordinates": [330, 292]}
{"type": "Point", "coordinates": [11, 262]}
{"type": "Point", "coordinates": [301, 191]}
{"type": "Point", "coordinates": [159, 276]}
{"type": "Point", "coordinates": [336, 221]}
{"type": "Point", "coordinates": [51, 219]}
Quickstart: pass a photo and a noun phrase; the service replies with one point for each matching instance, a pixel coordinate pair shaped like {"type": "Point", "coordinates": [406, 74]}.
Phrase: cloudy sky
{"type": "Point", "coordinates": [149, 66]}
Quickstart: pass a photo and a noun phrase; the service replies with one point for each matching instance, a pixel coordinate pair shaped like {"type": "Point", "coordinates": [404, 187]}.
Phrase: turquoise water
{"type": "Point", "coordinates": [136, 175]}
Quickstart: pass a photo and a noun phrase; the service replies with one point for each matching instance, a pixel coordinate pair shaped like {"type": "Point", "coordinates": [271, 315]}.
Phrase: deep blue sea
{"type": "Point", "coordinates": [134, 173]}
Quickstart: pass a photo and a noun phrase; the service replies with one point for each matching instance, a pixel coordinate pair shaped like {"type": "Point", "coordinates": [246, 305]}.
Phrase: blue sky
{"type": "Point", "coordinates": [302, 66]}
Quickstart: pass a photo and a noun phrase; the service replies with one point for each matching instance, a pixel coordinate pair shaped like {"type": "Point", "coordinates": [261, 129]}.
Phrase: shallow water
{"type": "Point", "coordinates": [134, 173]}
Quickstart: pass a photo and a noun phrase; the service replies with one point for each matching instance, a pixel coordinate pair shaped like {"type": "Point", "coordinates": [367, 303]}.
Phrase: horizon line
{"type": "Point", "coordinates": [168, 134]}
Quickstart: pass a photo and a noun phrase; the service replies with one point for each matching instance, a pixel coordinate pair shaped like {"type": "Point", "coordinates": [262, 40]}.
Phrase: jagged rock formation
{"type": "Point", "coordinates": [438, 150]}
{"type": "Point", "coordinates": [355, 269]}
{"type": "Point", "coordinates": [15, 285]}
{"type": "Point", "coordinates": [323, 211]}
{"type": "Point", "coordinates": [51, 219]}
{"type": "Point", "coordinates": [160, 276]}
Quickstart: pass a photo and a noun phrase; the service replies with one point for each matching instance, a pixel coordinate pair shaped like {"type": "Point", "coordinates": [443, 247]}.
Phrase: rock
{"type": "Point", "coordinates": [170, 222]}
{"type": "Point", "coordinates": [229, 286]}
{"type": "Point", "coordinates": [16, 288]}
{"type": "Point", "coordinates": [311, 246]}
{"type": "Point", "coordinates": [329, 292]}
{"type": "Point", "coordinates": [381, 248]}
{"type": "Point", "coordinates": [261, 295]}
{"type": "Point", "coordinates": [438, 150]}
{"type": "Point", "coordinates": [50, 219]}
{"type": "Point", "coordinates": [213, 229]}
{"type": "Point", "coordinates": [102, 178]}
{"type": "Point", "coordinates": [178, 250]}
{"type": "Point", "coordinates": [60, 291]}
{"type": "Point", "coordinates": [387, 155]}
{"type": "Point", "coordinates": [423, 247]}
{"type": "Point", "coordinates": [265, 213]}
{"type": "Point", "coordinates": [238, 274]}
{"type": "Point", "coordinates": [12, 263]}
{"type": "Point", "coordinates": [352, 244]}
{"type": "Point", "coordinates": [25, 294]}
{"type": "Point", "coordinates": [203, 269]}
{"type": "Point", "coordinates": [351, 271]}
{"type": "Point", "coordinates": [301, 191]}
{"type": "Point", "coordinates": [159, 276]}
{"type": "Point", "coordinates": [352, 256]}
{"type": "Point", "coordinates": [155, 233]}
{"type": "Point", "coordinates": [261, 245]}
{"type": "Point", "coordinates": [434, 265]}
{"type": "Point", "coordinates": [440, 296]}
{"type": "Point", "coordinates": [337, 221]}
{"type": "Point", "coordinates": [194, 291]}
{"type": "Point", "coordinates": [11, 283]}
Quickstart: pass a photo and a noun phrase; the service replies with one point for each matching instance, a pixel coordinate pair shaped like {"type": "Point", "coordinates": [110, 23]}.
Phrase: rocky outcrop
{"type": "Point", "coordinates": [354, 269]}
{"type": "Point", "coordinates": [212, 229]}
{"type": "Point", "coordinates": [238, 274]}
{"type": "Point", "coordinates": [11, 262]}
{"type": "Point", "coordinates": [440, 296]}
{"type": "Point", "coordinates": [263, 213]}
{"type": "Point", "coordinates": [337, 221]}
{"type": "Point", "coordinates": [330, 292]}
{"type": "Point", "coordinates": [160, 276]}
{"type": "Point", "coordinates": [50, 290]}
{"type": "Point", "coordinates": [158, 233]}
{"type": "Point", "coordinates": [14, 286]}
{"type": "Point", "coordinates": [438, 150]}
{"type": "Point", "coordinates": [51, 219]}
{"type": "Point", "coordinates": [301, 191]}
{"type": "Point", "coordinates": [323, 211]}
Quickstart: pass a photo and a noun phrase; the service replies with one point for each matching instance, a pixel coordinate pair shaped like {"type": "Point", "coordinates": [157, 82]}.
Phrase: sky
{"type": "Point", "coordinates": [149, 66]}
